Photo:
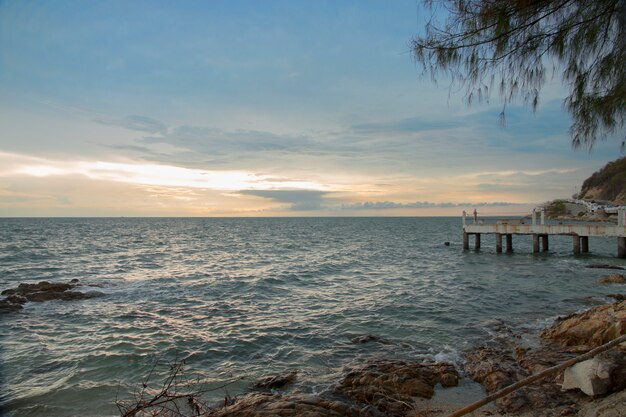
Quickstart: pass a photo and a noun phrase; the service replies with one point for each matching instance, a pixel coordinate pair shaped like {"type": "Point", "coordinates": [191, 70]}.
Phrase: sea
{"type": "Point", "coordinates": [236, 300]}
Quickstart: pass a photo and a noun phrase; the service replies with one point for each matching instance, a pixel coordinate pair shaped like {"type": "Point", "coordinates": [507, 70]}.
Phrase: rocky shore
{"type": "Point", "coordinates": [396, 388]}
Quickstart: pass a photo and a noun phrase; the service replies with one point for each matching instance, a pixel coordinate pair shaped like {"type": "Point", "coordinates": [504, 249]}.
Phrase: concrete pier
{"type": "Point", "coordinates": [540, 231]}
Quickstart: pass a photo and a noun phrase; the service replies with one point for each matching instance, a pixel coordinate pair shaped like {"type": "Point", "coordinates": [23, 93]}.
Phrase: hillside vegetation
{"type": "Point", "coordinates": [607, 184]}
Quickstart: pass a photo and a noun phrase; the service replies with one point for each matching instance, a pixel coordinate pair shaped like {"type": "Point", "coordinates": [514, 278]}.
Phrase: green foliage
{"type": "Point", "coordinates": [610, 181]}
{"type": "Point", "coordinates": [514, 43]}
{"type": "Point", "coordinates": [556, 208]}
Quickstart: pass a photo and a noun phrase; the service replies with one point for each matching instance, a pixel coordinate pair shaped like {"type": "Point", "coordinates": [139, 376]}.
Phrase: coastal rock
{"type": "Point", "coordinates": [613, 279]}
{"type": "Point", "coordinates": [391, 386]}
{"type": "Point", "coordinates": [276, 381]}
{"type": "Point", "coordinates": [368, 338]}
{"type": "Point", "coordinates": [497, 368]}
{"type": "Point", "coordinates": [43, 291]}
{"type": "Point", "coordinates": [611, 406]}
{"type": "Point", "coordinates": [276, 405]}
{"type": "Point", "coordinates": [7, 306]}
{"type": "Point", "coordinates": [599, 375]}
{"type": "Point", "coordinates": [589, 329]}
{"type": "Point", "coordinates": [604, 266]}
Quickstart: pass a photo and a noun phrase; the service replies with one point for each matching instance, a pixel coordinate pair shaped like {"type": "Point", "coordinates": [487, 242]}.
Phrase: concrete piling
{"type": "Point", "coordinates": [584, 241]}
{"type": "Point", "coordinates": [509, 242]}
{"type": "Point", "coordinates": [621, 247]}
{"type": "Point", "coordinates": [544, 243]}
{"type": "Point", "coordinates": [477, 241]}
{"type": "Point", "coordinates": [535, 243]}
{"type": "Point", "coordinates": [576, 242]}
{"type": "Point", "coordinates": [499, 242]}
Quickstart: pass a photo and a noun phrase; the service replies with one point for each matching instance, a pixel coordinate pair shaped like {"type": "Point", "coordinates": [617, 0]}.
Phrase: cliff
{"type": "Point", "coordinates": [607, 184]}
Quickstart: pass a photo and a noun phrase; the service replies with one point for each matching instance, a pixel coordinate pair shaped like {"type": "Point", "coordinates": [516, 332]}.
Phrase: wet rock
{"type": "Point", "coordinates": [7, 306]}
{"type": "Point", "coordinates": [391, 386]}
{"type": "Point", "coordinates": [276, 405]}
{"type": "Point", "coordinates": [45, 291]}
{"type": "Point", "coordinates": [369, 338]}
{"type": "Point", "coordinates": [603, 266]}
{"type": "Point", "coordinates": [276, 381]}
{"type": "Point", "coordinates": [617, 297]}
{"type": "Point", "coordinates": [613, 279]}
{"type": "Point", "coordinates": [592, 328]}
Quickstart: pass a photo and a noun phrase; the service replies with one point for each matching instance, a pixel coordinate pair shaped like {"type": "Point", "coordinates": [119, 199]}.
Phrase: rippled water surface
{"type": "Point", "coordinates": [243, 298]}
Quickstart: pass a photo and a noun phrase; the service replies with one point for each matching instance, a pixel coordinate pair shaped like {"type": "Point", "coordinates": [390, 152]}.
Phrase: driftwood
{"type": "Point", "coordinates": [514, 387]}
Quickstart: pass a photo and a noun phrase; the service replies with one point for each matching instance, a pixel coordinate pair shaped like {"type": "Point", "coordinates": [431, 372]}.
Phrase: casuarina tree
{"type": "Point", "coordinates": [513, 46]}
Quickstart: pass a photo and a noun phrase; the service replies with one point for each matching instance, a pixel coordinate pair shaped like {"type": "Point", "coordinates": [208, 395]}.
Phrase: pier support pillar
{"type": "Point", "coordinates": [465, 241]}
{"type": "Point", "coordinates": [535, 243]}
{"type": "Point", "coordinates": [544, 243]}
{"type": "Point", "coordinates": [499, 242]}
{"type": "Point", "coordinates": [621, 247]}
{"type": "Point", "coordinates": [584, 241]}
{"type": "Point", "coordinates": [509, 242]}
{"type": "Point", "coordinates": [477, 241]}
{"type": "Point", "coordinates": [576, 242]}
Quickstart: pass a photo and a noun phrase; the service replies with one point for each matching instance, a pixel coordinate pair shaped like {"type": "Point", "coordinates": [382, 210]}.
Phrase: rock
{"type": "Point", "coordinates": [369, 338]}
{"type": "Point", "coordinates": [593, 376]}
{"type": "Point", "coordinates": [497, 368]}
{"type": "Point", "coordinates": [391, 386]}
{"type": "Point", "coordinates": [611, 406]}
{"type": "Point", "coordinates": [276, 405]}
{"type": "Point", "coordinates": [617, 297]}
{"type": "Point", "coordinates": [592, 328]}
{"type": "Point", "coordinates": [7, 306]}
{"type": "Point", "coordinates": [613, 279]}
{"type": "Point", "coordinates": [46, 291]}
{"type": "Point", "coordinates": [16, 299]}
{"type": "Point", "coordinates": [276, 381]}
{"type": "Point", "coordinates": [603, 266]}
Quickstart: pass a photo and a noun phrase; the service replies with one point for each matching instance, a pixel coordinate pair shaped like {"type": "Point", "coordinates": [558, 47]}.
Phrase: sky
{"type": "Point", "coordinates": [246, 108]}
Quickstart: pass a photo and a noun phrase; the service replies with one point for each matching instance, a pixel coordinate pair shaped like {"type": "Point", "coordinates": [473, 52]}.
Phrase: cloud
{"type": "Point", "coordinates": [134, 122]}
{"type": "Point", "coordinates": [385, 205]}
{"type": "Point", "coordinates": [299, 200]}
{"type": "Point", "coordinates": [148, 174]}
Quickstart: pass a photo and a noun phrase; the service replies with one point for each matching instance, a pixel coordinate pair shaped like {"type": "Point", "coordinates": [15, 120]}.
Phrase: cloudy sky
{"type": "Point", "coordinates": [245, 108]}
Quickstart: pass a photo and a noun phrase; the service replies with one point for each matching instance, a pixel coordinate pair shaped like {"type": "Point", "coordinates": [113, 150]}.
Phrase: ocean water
{"type": "Point", "coordinates": [240, 299]}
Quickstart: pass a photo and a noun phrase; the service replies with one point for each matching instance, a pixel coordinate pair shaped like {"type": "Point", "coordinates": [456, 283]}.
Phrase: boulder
{"type": "Point", "coordinates": [43, 291]}
{"type": "Point", "coordinates": [369, 338]}
{"type": "Point", "coordinates": [613, 279]}
{"type": "Point", "coordinates": [603, 374]}
{"type": "Point", "coordinates": [276, 381]}
{"type": "Point", "coordinates": [392, 386]}
{"type": "Point", "coordinates": [589, 329]}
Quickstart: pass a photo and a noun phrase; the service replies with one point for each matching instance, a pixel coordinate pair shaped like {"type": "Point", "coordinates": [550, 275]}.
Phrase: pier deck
{"type": "Point", "coordinates": [540, 231]}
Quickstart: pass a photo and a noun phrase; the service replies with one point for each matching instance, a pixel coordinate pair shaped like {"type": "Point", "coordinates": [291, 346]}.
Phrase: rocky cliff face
{"type": "Point", "coordinates": [607, 184]}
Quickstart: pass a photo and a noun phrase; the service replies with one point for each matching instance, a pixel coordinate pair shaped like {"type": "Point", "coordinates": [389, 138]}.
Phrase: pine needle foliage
{"type": "Point", "coordinates": [514, 45]}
